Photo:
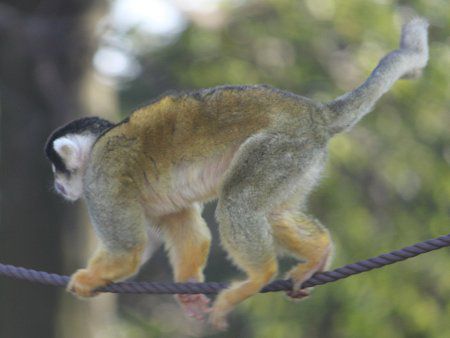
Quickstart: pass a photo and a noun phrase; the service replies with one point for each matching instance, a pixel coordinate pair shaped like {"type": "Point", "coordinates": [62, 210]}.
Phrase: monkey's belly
{"type": "Point", "coordinates": [189, 183]}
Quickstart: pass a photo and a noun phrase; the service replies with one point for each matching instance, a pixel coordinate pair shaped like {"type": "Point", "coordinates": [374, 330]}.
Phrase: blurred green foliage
{"type": "Point", "coordinates": [387, 184]}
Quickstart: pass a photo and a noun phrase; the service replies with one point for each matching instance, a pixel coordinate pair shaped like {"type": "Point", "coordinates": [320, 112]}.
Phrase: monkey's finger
{"type": "Point", "coordinates": [82, 292]}
{"type": "Point", "coordinates": [200, 304]}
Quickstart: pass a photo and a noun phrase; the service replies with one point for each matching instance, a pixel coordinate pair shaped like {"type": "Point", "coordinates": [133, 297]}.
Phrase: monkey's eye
{"type": "Point", "coordinates": [63, 174]}
{"type": "Point", "coordinates": [72, 172]}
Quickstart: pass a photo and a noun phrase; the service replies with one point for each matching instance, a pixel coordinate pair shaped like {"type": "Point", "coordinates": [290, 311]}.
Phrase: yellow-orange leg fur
{"type": "Point", "coordinates": [104, 268]}
{"type": "Point", "coordinates": [240, 291]}
{"type": "Point", "coordinates": [187, 238]}
{"type": "Point", "coordinates": [303, 238]}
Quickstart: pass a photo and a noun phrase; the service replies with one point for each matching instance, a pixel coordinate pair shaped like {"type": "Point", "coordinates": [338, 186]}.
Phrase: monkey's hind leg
{"type": "Point", "coordinates": [122, 236]}
{"type": "Point", "coordinates": [187, 239]}
{"type": "Point", "coordinates": [303, 238]}
{"type": "Point", "coordinates": [262, 174]}
{"type": "Point", "coordinates": [250, 245]}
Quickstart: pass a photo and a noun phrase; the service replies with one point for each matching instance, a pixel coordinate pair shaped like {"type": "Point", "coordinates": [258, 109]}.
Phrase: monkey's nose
{"type": "Point", "coordinates": [60, 188]}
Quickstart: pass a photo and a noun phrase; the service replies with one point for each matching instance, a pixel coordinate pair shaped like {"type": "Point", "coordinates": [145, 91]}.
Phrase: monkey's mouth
{"type": "Point", "coordinates": [60, 189]}
{"type": "Point", "coordinates": [67, 195]}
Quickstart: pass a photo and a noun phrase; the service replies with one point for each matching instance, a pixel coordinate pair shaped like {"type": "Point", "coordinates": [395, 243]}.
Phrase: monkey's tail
{"type": "Point", "coordinates": [407, 61]}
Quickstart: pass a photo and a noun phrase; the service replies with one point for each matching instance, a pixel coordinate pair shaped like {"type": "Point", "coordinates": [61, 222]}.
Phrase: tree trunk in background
{"type": "Point", "coordinates": [46, 47]}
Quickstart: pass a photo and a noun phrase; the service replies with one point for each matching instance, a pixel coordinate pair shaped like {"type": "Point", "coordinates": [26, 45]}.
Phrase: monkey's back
{"type": "Point", "coordinates": [194, 133]}
{"type": "Point", "coordinates": [210, 120]}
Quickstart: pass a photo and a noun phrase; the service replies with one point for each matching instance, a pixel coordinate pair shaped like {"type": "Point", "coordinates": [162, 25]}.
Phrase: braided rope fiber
{"type": "Point", "coordinates": [213, 287]}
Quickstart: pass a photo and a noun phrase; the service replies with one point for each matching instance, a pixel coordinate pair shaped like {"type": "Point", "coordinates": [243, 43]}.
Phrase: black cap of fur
{"type": "Point", "coordinates": [92, 125]}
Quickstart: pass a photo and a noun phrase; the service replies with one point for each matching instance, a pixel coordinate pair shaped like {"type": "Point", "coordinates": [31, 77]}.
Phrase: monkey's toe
{"type": "Point", "coordinates": [218, 320]}
{"type": "Point", "coordinates": [194, 306]}
{"type": "Point", "coordinates": [83, 284]}
{"type": "Point", "coordinates": [300, 294]}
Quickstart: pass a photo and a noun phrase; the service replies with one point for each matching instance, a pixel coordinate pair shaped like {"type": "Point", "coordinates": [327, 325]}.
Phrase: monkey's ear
{"type": "Point", "coordinates": [70, 152]}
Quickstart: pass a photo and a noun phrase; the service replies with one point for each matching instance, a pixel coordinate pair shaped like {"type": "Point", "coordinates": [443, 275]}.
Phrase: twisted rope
{"type": "Point", "coordinates": [213, 287]}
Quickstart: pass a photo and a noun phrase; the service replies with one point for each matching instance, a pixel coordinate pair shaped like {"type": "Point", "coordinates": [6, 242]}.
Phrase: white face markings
{"type": "Point", "coordinates": [74, 150]}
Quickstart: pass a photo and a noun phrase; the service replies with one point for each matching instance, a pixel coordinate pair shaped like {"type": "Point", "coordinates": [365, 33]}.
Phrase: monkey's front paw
{"type": "Point", "coordinates": [83, 283]}
{"type": "Point", "coordinates": [195, 306]}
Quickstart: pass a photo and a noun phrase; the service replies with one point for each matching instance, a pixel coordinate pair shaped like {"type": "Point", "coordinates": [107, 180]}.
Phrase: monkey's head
{"type": "Point", "coordinates": [68, 149]}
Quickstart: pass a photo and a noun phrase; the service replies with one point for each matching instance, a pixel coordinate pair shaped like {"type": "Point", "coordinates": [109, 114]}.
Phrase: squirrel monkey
{"type": "Point", "coordinates": [258, 149]}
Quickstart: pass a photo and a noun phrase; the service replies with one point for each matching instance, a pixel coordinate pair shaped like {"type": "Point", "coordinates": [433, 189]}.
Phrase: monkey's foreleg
{"type": "Point", "coordinates": [104, 268]}
{"type": "Point", "coordinates": [123, 237]}
{"type": "Point", "coordinates": [187, 239]}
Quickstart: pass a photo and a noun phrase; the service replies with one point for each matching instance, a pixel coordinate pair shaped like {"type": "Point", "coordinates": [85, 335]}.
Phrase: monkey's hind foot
{"type": "Point", "coordinates": [194, 306]}
{"type": "Point", "coordinates": [304, 271]}
{"type": "Point", "coordinates": [218, 319]}
{"type": "Point", "coordinates": [298, 295]}
{"type": "Point", "coordinates": [84, 284]}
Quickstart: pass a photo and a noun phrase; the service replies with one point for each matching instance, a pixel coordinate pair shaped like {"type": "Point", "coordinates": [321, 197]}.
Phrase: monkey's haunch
{"type": "Point", "coordinates": [213, 287]}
